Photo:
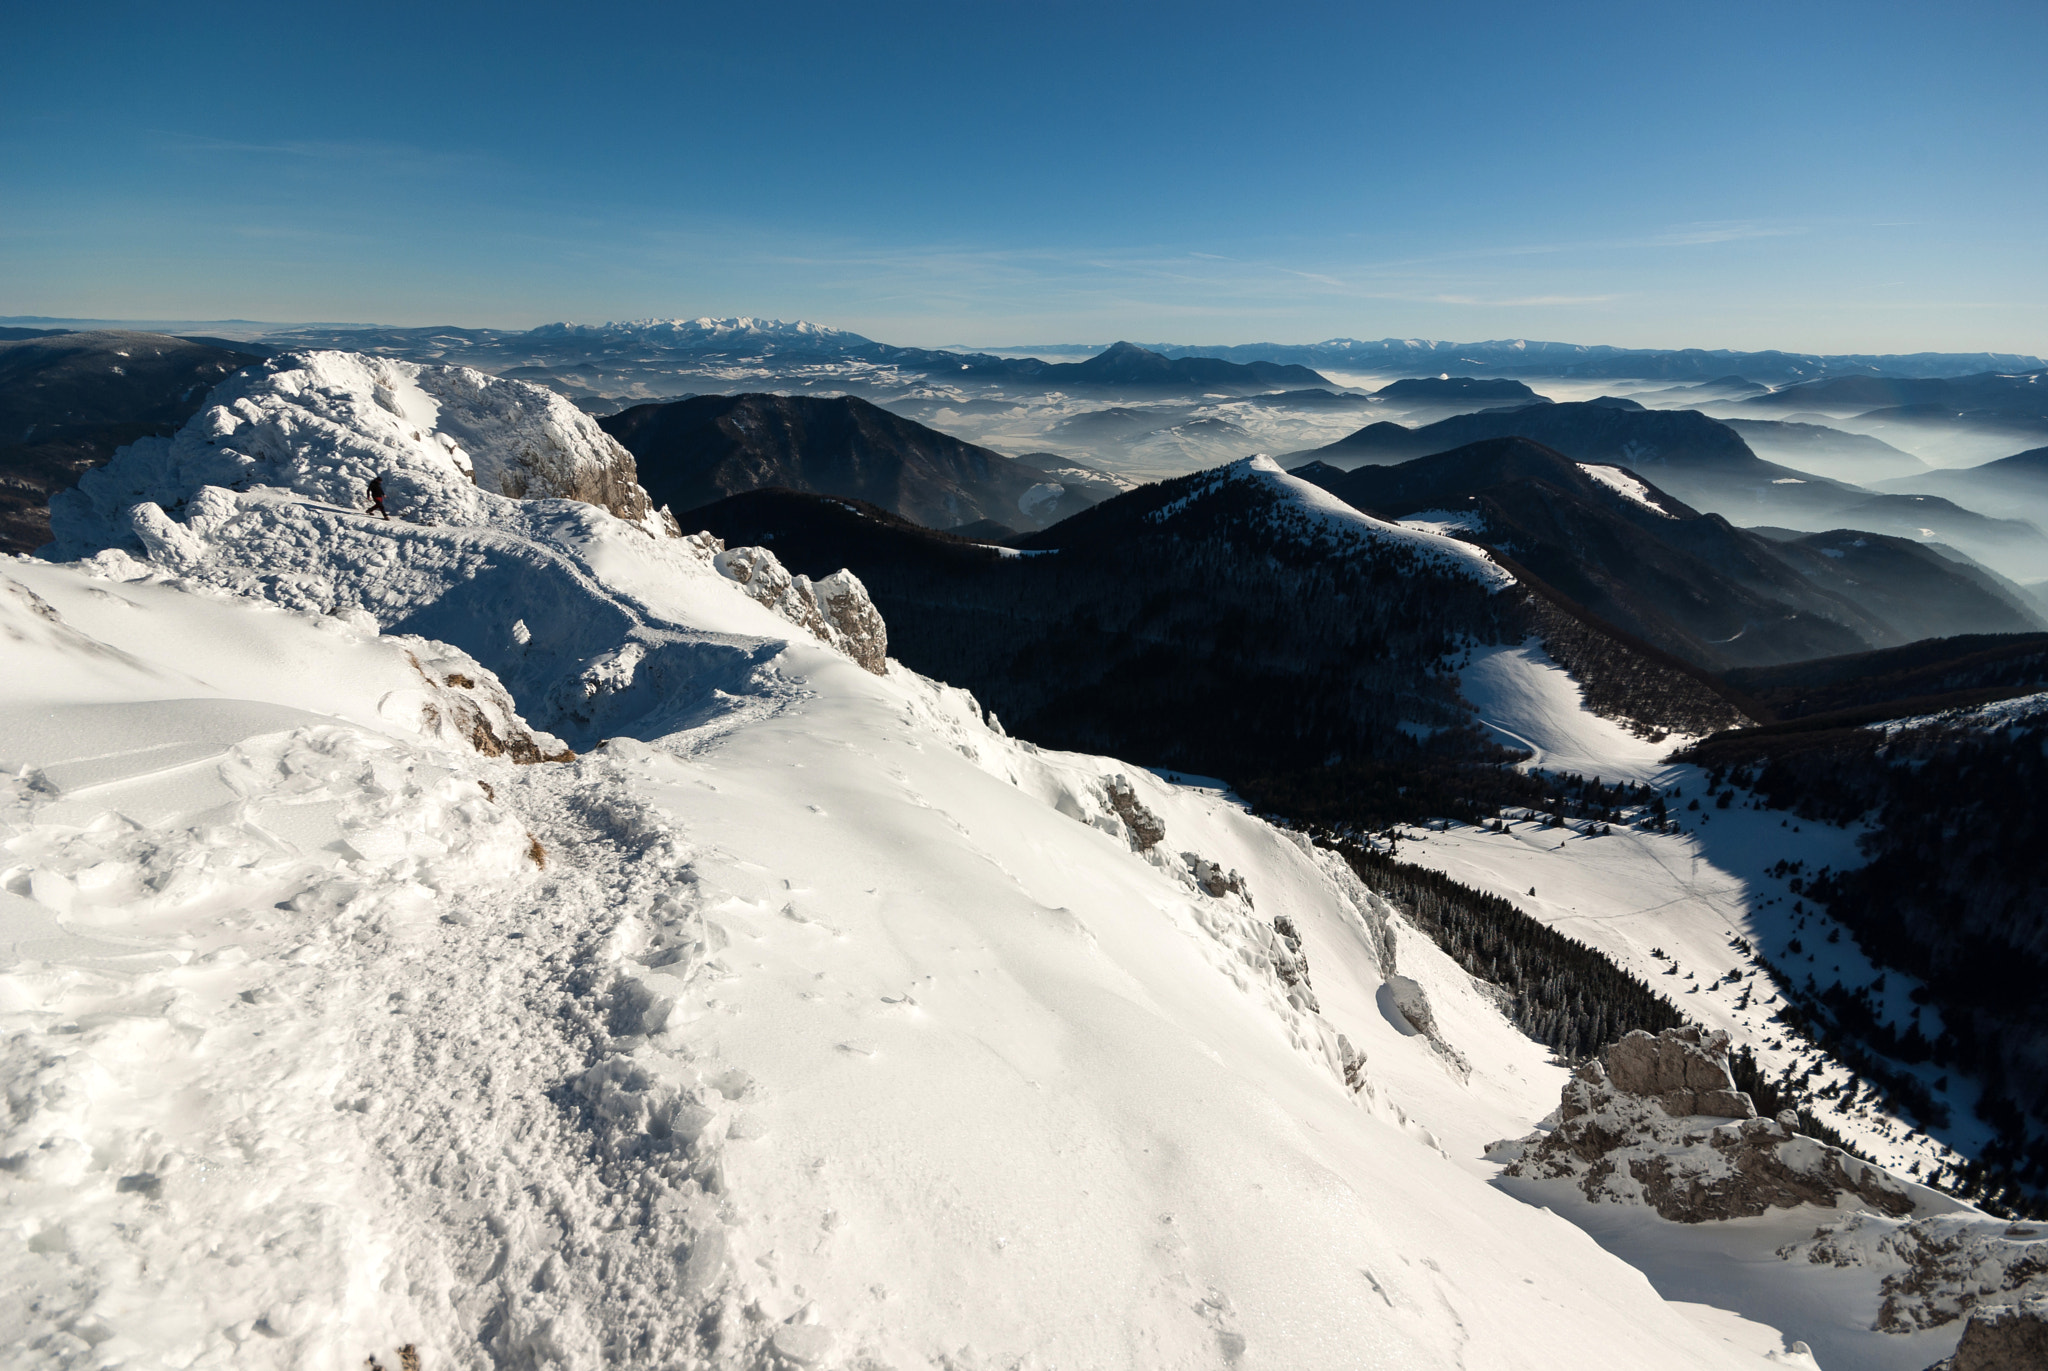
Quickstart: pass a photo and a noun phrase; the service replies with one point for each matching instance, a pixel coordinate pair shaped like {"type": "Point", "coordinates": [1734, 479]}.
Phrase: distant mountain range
{"type": "Point", "coordinates": [1527, 357]}
{"type": "Point", "coordinates": [760, 339]}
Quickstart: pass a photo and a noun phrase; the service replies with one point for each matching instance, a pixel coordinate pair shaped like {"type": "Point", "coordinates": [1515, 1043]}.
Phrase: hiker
{"type": "Point", "coordinates": [377, 498]}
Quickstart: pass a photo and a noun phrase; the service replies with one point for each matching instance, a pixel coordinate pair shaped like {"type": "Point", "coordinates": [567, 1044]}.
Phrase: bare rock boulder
{"type": "Point", "coordinates": [1662, 1124]}
{"type": "Point", "coordinates": [2003, 1337]}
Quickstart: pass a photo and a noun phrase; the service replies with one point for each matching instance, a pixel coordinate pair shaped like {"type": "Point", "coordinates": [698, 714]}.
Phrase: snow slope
{"type": "Point", "coordinates": [808, 1021]}
{"type": "Point", "coordinates": [1531, 703]}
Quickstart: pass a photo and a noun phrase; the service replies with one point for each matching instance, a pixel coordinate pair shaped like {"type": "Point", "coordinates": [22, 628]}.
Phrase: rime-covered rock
{"type": "Point", "coordinates": [325, 424]}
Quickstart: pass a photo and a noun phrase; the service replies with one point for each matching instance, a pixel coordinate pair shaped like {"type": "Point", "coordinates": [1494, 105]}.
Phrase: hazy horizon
{"type": "Point", "coordinates": [1805, 178]}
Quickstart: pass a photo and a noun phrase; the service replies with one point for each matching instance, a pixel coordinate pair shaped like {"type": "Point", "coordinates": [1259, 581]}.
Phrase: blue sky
{"type": "Point", "coordinates": [1831, 177]}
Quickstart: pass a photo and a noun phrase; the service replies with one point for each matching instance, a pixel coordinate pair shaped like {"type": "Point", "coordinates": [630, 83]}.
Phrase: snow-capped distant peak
{"type": "Point", "coordinates": [707, 331]}
{"type": "Point", "coordinates": [1315, 515]}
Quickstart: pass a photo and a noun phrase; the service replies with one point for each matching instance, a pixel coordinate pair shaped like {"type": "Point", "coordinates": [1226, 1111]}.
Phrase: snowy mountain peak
{"type": "Point", "coordinates": [325, 424]}
{"type": "Point", "coordinates": [1309, 514]}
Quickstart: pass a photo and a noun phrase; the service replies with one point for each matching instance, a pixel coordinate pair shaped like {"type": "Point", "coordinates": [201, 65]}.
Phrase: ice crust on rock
{"type": "Point", "coordinates": [1618, 1138]}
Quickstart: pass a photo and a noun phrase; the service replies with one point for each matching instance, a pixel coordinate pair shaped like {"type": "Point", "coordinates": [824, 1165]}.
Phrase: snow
{"type": "Point", "coordinates": [1446, 522]}
{"type": "Point", "coordinates": [1991, 718]}
{"type": "Point", "coordinates": [1625, 484]}
{"type": "Point", "coordinates": [806, 1016]}
{"type": "Point", "coordinates": [1532, 703]}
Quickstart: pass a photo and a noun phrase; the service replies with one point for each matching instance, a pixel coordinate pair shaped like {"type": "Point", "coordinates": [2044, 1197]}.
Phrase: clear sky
{"type": "Point", "coordinates": [1838, 177]}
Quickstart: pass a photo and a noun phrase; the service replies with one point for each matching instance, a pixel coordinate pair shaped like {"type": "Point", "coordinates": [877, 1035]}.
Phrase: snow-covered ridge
{"type": "Point", "coordinates": [1311, 514]}
{"type": "Point", "coordinates": [578, 595]}
{"type": "Point", "coordinates": [1625, 484]}
{"type": "Point", "coordinates": [1991, 718]}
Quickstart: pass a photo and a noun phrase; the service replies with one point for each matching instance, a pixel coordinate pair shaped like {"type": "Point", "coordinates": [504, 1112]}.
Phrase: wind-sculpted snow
{"type": "Point", "coordinates": [1312, 516]}
{"type": "Point", "coordinates": [324, 424]}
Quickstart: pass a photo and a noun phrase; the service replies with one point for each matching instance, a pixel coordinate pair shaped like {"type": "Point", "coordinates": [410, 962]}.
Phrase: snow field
{"type": "Point", "coordinates": [1531, 703]}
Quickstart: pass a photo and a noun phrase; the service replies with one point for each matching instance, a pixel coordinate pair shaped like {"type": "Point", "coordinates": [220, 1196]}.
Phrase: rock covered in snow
{"type": "Point", "coordinates": [324, 424]}
{"type": "Point", "coordinates": [1936, 1269]}
{"type": "Point", "coordinates": [2003, 1337]}
{"type": "Point", "coordinates": [836, 609]}
{"type": "Point", "coordinates": [1617, 1136]}
{"type": "Point", "coordinates": [461, 703]}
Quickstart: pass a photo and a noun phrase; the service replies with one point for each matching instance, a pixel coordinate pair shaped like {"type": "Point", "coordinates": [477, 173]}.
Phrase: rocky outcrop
{"type": "Point", "coordinates": [460, 703]}
{"type": "Point", "coordinates": [1685, 1070]}
{"type": "Point", "coordinates": [1145, 827]}
{"type": "Point", "coordinates": [1403, 999]}
{"type": "Point", "coordinates": [526, 441]}
{"type": "Point", "coordinates": [1291, 962]}
{"type": "Point", "coordinates": [2002, 1337]}
{"type": "Point", "coordinates": [835, 610]}
{"type": "Point", "coordinates": [1617, 1136]}
{"type": "Point", "coordinates": [1937, 1269]}
{"type": "Point", "coordinates": [1212, 878]}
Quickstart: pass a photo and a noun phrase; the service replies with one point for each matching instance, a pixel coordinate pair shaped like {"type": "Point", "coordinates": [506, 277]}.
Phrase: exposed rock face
{"type": "Point", "coordinates": [1617, 1136]}
{"type": "Point", "coordinates": [2003, 1337]}
{"type": "Point", "coordinates": [1146, 828]}
{"type": "Point", "coordinates": [1213, 879]}
{"type": "Point", "coordinates": [844, 603]}
{"type": "Point", "coordinates": [1936, 1269]}
{"type": "Point", "coordinates": [836, 610]}
{"type": "Point", "coordinates": [1684, 1070]}
{"type": "Point", "coordinates": [1291, 962]}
